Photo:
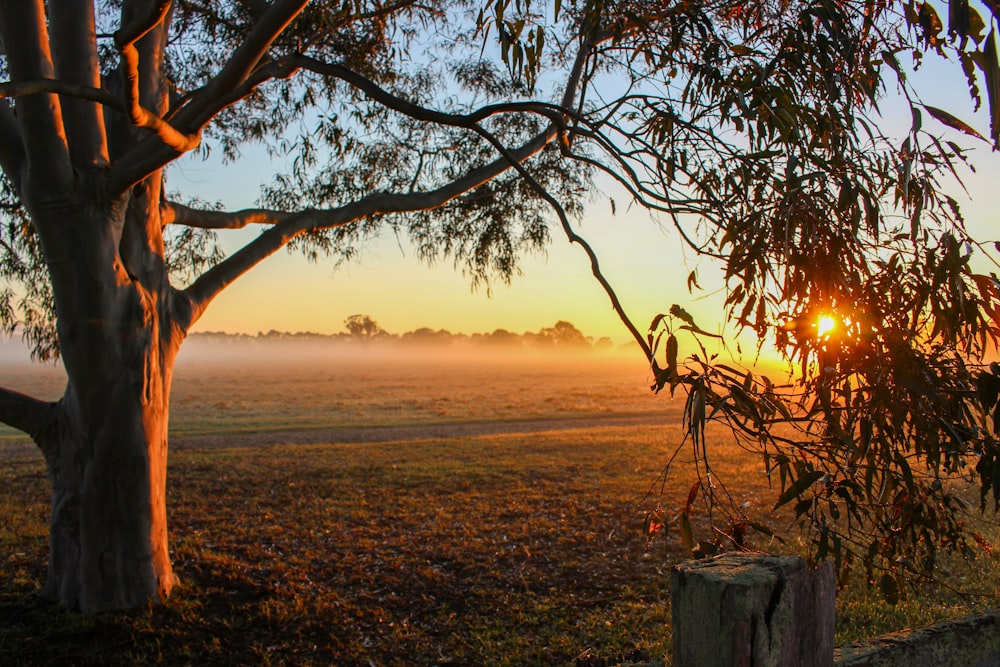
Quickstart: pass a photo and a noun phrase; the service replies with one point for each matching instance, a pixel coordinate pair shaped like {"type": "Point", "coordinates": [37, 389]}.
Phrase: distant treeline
{"type": "Point", "coordinates": [362, 329]}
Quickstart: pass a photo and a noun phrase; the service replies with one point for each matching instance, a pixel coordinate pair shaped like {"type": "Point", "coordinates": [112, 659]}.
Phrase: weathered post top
{"type": "Point", "coordinates": [739, 609]}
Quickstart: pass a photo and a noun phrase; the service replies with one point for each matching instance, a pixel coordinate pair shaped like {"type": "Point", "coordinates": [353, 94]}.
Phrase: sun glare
{"type": "Point", "coordinates": [825, 326]}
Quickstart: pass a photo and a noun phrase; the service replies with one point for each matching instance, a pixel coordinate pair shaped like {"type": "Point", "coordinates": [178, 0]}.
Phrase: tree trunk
{"type": "Point", "coordinates": [105, 442]}
{"type": "Point", "coordinates": [108, 539]}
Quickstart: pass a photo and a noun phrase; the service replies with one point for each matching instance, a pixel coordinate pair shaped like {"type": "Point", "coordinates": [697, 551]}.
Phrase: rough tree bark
{"type": "Point", "coordinates": [105, 442]}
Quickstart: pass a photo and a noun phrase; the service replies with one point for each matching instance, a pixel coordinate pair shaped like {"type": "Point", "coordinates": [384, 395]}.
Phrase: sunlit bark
{"type": "Point", "coordinates": [74, 41]}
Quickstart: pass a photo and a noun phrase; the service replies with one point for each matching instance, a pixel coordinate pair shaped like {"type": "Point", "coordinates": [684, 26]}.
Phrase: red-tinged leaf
{"type": "Point", "coordinates": [692, 496]}
{"type": "Point", "coordinates": [983, 544]}
{"type": "Point", "coordinates": [931, 23]}
{"type": "Point", "coordinates": [976, 26]}
{"type": "Point", "coordinates": [951, 121]}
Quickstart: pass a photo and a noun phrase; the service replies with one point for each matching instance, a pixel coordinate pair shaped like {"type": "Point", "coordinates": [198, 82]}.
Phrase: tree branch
{"type": "Point", "coordinates": [74, 39]}
{"type": "Point", "coordinates": [178, 214]}
{"type": "Point", "coordinates": [213, 281]}
{"type": "Point", "coordinates": [125, 40]}
{"type": "Point", "coordinates": [378, 94]}
{"type": "Point", "coordinates": [242, 63]}
{"type": "Point", "coordinates": [131, 33]}
{"type": "Point", "coordinates": [206, 103]}
{"type": "Point", "coordinates": [24, 413]}
{"type": "Point", "coordinates": [26, 42]}
{"type": "Point", "coordinates": [11, 89]}
{"type": "Point", "coordinates": [573, 237]}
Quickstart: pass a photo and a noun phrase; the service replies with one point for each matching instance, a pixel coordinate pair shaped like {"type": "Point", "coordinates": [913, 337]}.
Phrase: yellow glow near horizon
{"type": "Point", "coordinates": [825, 325]}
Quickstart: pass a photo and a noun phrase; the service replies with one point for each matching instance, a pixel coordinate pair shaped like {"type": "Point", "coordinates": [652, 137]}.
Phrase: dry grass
{"type": "Point", "coordinates": [495, 550]}
{"type": "Point", "coordinates": [523, 549]}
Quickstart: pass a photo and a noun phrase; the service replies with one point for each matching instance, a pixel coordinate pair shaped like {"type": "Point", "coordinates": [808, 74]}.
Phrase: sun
{"type": "Point", "coordinates": [825, 325]}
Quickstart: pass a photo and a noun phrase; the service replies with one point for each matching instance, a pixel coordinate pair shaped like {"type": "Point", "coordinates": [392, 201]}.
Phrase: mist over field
{"type": "Point", "coordinates": [226, 385]}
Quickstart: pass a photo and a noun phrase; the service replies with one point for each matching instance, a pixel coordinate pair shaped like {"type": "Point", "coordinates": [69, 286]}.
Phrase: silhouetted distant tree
{"type": "Point", "coordinates": [562, 335]}
{"type": "Point", "coordinates": [363, 328]}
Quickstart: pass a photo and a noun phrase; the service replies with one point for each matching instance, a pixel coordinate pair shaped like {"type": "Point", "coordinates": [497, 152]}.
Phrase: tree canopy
{"type": "Point", "coordinates": [475, 129]}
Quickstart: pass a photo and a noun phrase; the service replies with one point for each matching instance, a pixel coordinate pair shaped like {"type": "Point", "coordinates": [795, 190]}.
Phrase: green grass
{"type": "Point", "coordinates": [495, 550]}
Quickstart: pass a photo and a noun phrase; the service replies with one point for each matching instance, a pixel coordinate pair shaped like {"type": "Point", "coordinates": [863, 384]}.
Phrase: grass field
{"type": "Point", "coordinates": [493, 549]}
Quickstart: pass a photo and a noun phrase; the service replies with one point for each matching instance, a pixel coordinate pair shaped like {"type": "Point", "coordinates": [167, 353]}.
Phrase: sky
{"type": "Point", "coordinates": [646, 263]}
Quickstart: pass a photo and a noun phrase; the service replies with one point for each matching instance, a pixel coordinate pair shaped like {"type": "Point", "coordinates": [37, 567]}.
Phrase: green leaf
{"type": "Point", "coordinates": [764, 529]}
{"type": "Point", "coordinates": [799, 486]}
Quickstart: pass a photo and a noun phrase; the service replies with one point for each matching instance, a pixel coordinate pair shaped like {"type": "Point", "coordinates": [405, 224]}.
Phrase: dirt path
{"type": "Point", "coordinates": [415, 431]}
{"type": "Point", "coordinates": [375, 434]}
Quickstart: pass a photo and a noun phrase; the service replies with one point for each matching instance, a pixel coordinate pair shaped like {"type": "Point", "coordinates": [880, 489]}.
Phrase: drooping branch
{"type": "Point", "coordinates": [213, 281]}
{"type": "Point", "coordinates": [206, 103]}
{"type": "Point", "coordinates": [573, 237]}
{"type": "Point", "coordinates": [177, 214]}
{"type": "Point", "coordinates": [26, 43]}
{"type": "Point", "coordinates": [74, 52]}
{"type": "Point", "coordinates": [24, 413]}
{"type": "Point", "coordinates": [378, 94]}
{"type": "Point", "coordinates": [125, 40]}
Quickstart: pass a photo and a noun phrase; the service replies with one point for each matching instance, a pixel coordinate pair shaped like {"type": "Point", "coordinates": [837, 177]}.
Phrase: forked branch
{"type": "Point", "coordinates": [201, 107]}
{"type": "Point", "coordinates": [63, 88]}
{"type": "Point", "coordinates": [125, 40]}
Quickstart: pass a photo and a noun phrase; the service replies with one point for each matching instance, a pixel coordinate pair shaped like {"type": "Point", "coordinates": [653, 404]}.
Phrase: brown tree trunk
{"type": "Point", "coordinates": [108, 538]}
{"type": "Point", "coordinates": [105, 442]}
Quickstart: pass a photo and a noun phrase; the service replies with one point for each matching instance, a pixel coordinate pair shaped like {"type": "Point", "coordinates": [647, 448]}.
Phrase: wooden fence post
{"type": "Point", "coordinates": [743, 610]}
